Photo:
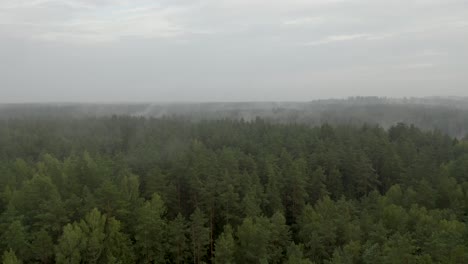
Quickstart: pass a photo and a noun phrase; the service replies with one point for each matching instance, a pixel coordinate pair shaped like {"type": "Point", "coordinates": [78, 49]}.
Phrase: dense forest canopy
{"type": "Point", "coordinates": [125, 189]}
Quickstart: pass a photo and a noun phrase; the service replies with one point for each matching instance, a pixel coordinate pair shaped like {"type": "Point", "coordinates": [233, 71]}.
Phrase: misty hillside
{"type": "Point", "coordinates": [449, 115]}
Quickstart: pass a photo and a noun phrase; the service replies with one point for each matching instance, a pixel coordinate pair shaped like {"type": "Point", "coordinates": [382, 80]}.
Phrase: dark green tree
{"type": "Point", "coordinates": [178, 239]}
{"type": "Point", "coordinates": [9, 257]}
{"type": "Point", "coordinates": [225, 247]}
{"type": "Point", "coordinates": [199, 235]}
{"type": "Point", "coordinates": [150, 231]}
{"type": "Point", "coordinates": [254, 236]}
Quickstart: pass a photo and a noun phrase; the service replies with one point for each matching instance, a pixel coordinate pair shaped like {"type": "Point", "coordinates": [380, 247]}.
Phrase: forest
{"type": "Point", "coordinates": [123, 189]}
{"type": "Point", "coordinates": [447, 114]}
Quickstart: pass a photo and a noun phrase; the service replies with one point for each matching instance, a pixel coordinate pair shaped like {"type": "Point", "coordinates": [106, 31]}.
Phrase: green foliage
{"type": "Point", "coordinates": [254, 236]}
{"type": "Point", "coordinates": [199, 235]}
{"type": "Point", "coordinates": [225, 247]}
{"type": "Point", "coordinates": [42, 246]}
{"type": "Point", "coordinates": [150, 231]}
{"type": "Point", "coordinates": [280, 238]}
{"type": "Point", "coordinates": [95, 239]}
{"type": "Point", "coordinates": [70, 245]}
{"type": "Point", "coordinates": [15, 237]}
{"type": "Point", "coordinates": [178, 239]}
{"type": "Point", "coordinates": [295, 255]}
{"type": "Point", "coordinates": [135, 190]}
{"type": "Point", "coordinates": [9, 257]}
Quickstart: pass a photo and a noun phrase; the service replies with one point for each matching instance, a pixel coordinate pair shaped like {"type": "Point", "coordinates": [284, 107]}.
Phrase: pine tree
{"type": "Point", "coordinates": [318, 229]}
{"type": "Point", "coordinates": [229, 203]}
{"type": "Point", "coordinates": [254, 236]}
{"type": "Point", "coordinates": [273, 188]}
{"type": "Point", "coordinates": [316, 186]}
{"type": "Point", "coordinates": [9, 257]}
{"type": "Point", "coordinates": [295, 194]}
{"type": "Point", "coordinates": [42, 246]}
{"type": "Point", "coordinates": [117, 245]}
{"type": "Point", "coordinates": [70, 245]}
{"type": "Point", "coordinates": [279, 239]}
{"type": "Point", "coordinates": [199, 234]}
{"type": "Point", "coordinates": [95, 239]}
{"type": "Point", "coordinates": [111, 201]}
{"type": "Point", "coordinates": [150, 230]}
{"type": "Point", "coordinates": [295, 255]}
{"type": "Point", "coordinates": [38, 201]}
{"type": "Point", "coordinates": [334, 183]}
{"type": "Point", "coordinates": [225, 247]}
{"type": "Point", "coordinates": [178, 241]}
{"type": "Point", "coordinates": [93, 228]}
{"type": "Point", "coordinates": [15, 237]}
{"type": "Point", "coordinates": [251, 203]}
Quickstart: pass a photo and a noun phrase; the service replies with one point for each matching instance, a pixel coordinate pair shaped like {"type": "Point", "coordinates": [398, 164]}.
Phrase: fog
{"type": "Point", "coordinates": [230, 50]}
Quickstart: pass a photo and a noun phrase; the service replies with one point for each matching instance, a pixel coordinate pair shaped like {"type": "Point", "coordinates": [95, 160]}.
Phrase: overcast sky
{"type": "Point", "coordinates": [231, 50]}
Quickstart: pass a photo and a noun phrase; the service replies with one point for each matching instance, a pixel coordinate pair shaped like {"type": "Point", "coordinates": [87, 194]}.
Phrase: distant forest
{"type": "Point", "coordinates": [140, 189]}
{"type": "Point", "coordinates": [449, 115]}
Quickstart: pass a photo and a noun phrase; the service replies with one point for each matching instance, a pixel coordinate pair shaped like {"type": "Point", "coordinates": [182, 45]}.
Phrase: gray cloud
{"type": "Point", "coordinates": [230, 50]}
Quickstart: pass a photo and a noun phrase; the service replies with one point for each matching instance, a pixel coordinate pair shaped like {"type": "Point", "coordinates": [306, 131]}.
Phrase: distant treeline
{"type": "Point", "coordinates": [449, 115]}
{"type": "Point", "coordinates": [146, 190]}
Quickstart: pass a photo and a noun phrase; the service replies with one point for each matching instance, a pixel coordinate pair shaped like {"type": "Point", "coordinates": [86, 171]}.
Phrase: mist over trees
{"type": "Point", "coordinates": [122, 189]}
{"type": "Point", "coordinates": [449, 115]}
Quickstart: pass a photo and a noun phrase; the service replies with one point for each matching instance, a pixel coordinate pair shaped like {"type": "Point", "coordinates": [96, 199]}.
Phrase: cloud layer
{"type": "Point", "coordinates": [231, 50]}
